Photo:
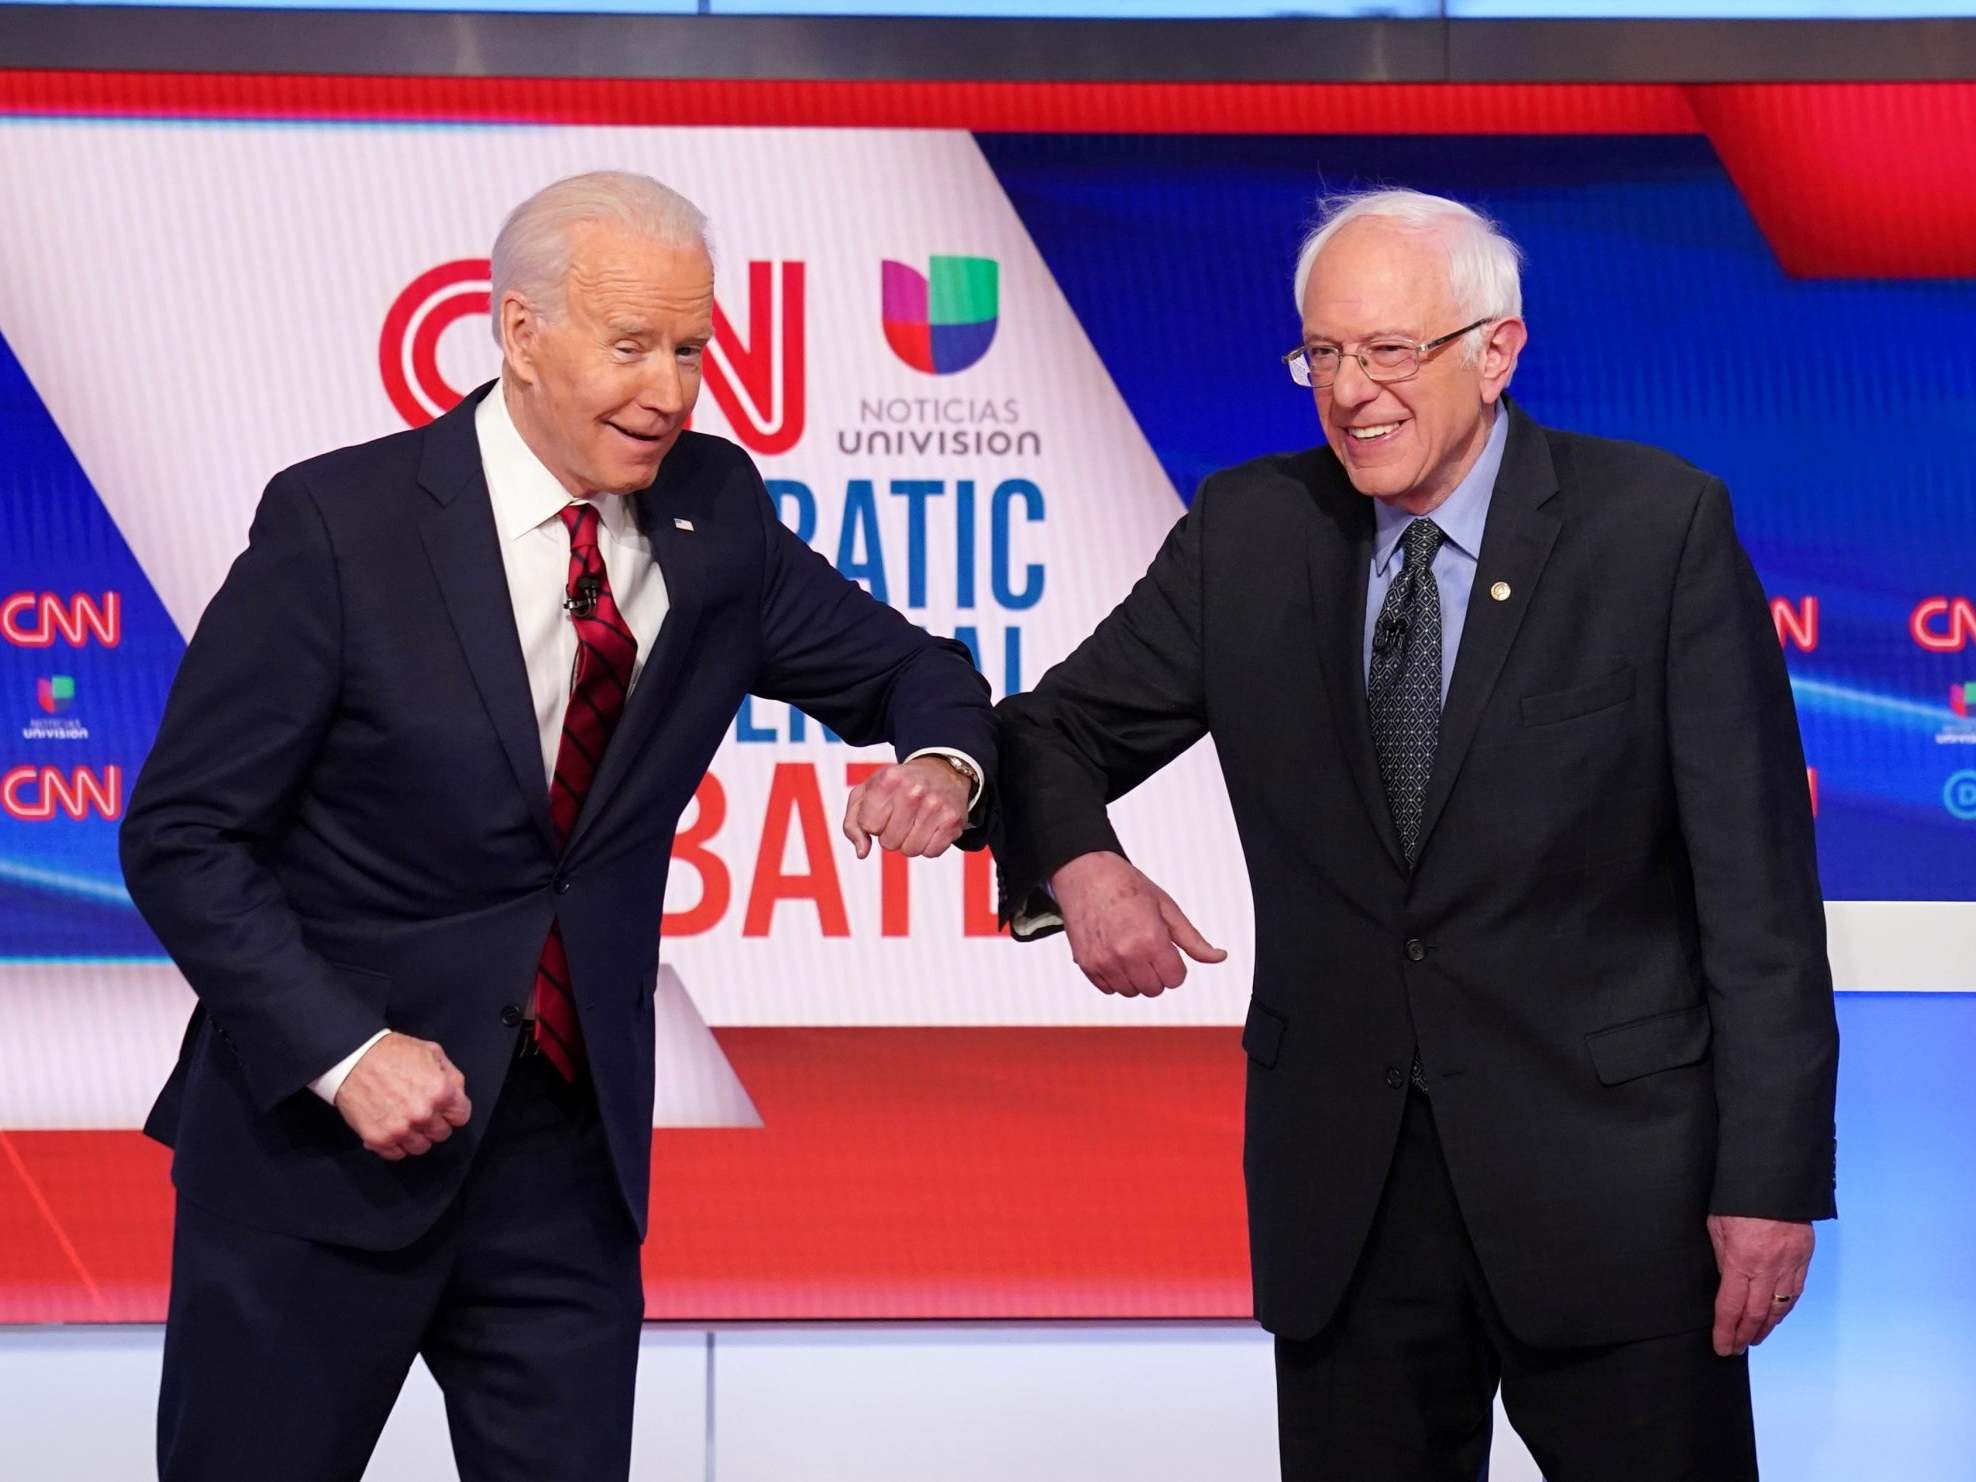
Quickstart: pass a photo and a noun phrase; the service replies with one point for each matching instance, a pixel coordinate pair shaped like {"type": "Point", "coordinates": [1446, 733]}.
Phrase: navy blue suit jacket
{"type": "Point", "coordinates": [343, 824]}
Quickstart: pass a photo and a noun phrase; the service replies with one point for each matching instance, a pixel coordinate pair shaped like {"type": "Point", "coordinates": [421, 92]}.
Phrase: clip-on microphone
{"type": "Point", "coordinates": [582, 602]}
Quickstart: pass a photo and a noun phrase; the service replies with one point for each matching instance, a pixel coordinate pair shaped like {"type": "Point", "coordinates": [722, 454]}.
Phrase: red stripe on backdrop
{"type": "Point", "coordinates": [961, 1173]}
{"type": "Point", "coordinates": [898, 1173]}
{"type": "Point", "coordinates": [993, 107]}
{"type": "Point", "coordinates": [1845, 179]}
{"type": "Point", "coordinates": [1854, 180]}
{"type": "Point", "coordinates": [103, 1200]}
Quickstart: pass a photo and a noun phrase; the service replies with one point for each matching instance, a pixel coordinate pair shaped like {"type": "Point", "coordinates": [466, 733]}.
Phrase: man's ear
{"type": "Point", "coordinates": [520, 328]}
{"type": "Point", "coordinates": [1499, 355]}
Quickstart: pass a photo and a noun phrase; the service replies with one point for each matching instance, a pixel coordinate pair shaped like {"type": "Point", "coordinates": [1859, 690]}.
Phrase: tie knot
{"type": "Point", "coordinates": [1420, 541]}
{"type": "Point", "coordinates": [581, 522]}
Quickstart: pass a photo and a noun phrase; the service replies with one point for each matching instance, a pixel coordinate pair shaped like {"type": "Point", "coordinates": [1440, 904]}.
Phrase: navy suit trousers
{"type": "Point", "coordinates": [283, 1356]}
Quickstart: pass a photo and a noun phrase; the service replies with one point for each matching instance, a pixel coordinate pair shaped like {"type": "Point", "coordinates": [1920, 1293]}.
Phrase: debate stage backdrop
{"type": "Point", "coordinates": [984, 341]}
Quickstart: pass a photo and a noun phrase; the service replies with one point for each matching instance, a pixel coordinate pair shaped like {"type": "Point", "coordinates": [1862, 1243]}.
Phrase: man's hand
{"type": "Point", "coordinates": [915, 808]}
{"type": "Point", "coordinates": [403, 1096]}
{"type": "Point", "coordinates": [1123, 928]}
{"type": "Point", "coordinates": [1760, 1261]}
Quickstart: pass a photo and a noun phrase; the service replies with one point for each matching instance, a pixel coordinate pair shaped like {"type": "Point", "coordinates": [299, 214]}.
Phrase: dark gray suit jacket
{"type": "Point", "coordinates": [1611, 951]}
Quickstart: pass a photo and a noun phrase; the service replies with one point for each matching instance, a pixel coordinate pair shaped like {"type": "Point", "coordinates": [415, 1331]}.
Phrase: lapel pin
{"type": "Point", "coordinates": [680, 524]}
{"type": "Point", "coordinates": [1500, 591]}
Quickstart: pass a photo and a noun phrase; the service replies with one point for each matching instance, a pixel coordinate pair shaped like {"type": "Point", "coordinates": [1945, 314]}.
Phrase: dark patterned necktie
{"type": "Point", "coordinates": [1403, 688]}
{"type": "Point", "coordinates": [605, 652]}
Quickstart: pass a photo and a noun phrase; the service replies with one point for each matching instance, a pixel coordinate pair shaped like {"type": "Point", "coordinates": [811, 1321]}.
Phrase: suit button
{"type": "Point", "coordinates": [1395, 1077]}
{"type": "Point", "coordinates": [562, 887]}
{"type": "Point", "coordinates": [510, 1015]}
{"type": "Point", "coordinates": [1416, 949]}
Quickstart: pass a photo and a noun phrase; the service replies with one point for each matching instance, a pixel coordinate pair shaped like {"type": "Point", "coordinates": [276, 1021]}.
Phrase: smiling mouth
{"type": "Point", "coordinates": [637, 437]}
{"type": "Point", "coordinates": [1375, 433]}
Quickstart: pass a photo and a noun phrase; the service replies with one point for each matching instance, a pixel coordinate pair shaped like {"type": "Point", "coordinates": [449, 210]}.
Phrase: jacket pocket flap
{"type": "Point", "coordinates": [1628, 1051]}
{"type": "Point", "coordinates": [1615, 689]}
{"type": "Point", "coordinates": [1262, 1035]}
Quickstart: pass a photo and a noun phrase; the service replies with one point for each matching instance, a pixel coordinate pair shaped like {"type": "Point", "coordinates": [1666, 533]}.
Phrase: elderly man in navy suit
{"type": "Point", "coordinates": [406, 829]}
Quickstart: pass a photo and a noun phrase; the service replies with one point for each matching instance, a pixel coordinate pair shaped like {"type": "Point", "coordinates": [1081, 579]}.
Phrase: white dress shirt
{"type": "Point", "coordinates": [528, 501]}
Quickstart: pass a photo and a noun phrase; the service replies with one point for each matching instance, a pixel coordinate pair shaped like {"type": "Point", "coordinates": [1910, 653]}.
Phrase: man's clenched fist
{"type": "Point", "coordinates": [403, 1096]}
{"type": "Point", "coordinates": [914, 808]}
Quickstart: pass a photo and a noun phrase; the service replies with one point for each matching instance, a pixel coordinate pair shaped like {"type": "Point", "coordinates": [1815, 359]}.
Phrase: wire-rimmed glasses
{"type": "Point", "coordinates": [1383, 361]}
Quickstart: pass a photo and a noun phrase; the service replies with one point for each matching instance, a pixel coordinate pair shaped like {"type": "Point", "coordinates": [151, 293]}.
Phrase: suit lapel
{"type": "Point", "coordinates": [1340, 557]}
{"type": "Point", "coordinates": [674, 550]}
{"type": "Point", "coordinates": [464, 549]}
{"type": "Point", "coordinates": [1516, 543]}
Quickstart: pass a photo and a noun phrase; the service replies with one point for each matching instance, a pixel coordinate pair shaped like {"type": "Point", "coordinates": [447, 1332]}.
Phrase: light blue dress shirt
{"type": "Point", "coordinates": [1461, 518]}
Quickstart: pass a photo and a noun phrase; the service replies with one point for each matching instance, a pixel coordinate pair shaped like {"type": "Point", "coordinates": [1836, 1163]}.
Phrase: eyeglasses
{"type": "Point", "coordinates": [1383, 361]}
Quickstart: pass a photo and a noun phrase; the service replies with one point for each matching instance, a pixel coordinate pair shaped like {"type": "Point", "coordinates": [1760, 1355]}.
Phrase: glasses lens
{"type": "Point", "coordinates": [1323, 367]}
{"type": "Point", "coordinates": [1390, 360]}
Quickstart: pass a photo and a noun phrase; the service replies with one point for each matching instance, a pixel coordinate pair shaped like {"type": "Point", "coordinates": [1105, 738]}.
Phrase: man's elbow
{"type": "Point", "coordinates": [155, 851]}
{"type": "Point", "coordinates": [136, 851]}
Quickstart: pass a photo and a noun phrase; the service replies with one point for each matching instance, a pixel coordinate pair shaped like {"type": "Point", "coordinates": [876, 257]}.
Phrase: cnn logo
{"type": "Point", "coordinates": [1943, 624]}
{"type": "Point", "coordinates": [39, 619]}
{"type": "Point", "coordinates": [757, 379]}
{"type": "Point", "coordinates": [37, 794]}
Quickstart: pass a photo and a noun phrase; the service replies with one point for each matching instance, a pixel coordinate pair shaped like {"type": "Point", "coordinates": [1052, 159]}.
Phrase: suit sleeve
{"type": "Point", "coordinates": [836, 653]}
{"type": "Point", "coordinates": [1745, 816]}
{"type": "Point", "coordinates": [247, 712]}
{"type": "Point", "coordinates": [1128, 700]}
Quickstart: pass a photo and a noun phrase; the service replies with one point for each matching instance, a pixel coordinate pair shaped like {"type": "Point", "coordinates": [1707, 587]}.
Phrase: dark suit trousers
{"type": "Point", "coordinates": [1400, 1386]}
{"type": "Point", "coordinates": [284, 1356]}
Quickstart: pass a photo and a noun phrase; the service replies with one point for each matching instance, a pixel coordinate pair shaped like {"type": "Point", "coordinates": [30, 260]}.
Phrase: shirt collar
{"type": "Point", "coordinates": [525, 494]}
{"type": "Point", "coordinates": [1461, 516]}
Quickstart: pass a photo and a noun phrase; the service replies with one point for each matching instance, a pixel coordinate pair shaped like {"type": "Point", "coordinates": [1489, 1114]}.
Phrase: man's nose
{"type": "Point", "coordinates": [664, 390]}
{"type": "Point", "coordinates": [1351, 386]}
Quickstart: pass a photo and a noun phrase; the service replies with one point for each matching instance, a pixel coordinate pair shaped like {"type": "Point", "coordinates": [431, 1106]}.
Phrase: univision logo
{"type": "Point", "coordinates": [944, 320]}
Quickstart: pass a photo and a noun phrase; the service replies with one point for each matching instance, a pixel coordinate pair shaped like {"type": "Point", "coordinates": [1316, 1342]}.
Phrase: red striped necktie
{"type": "Point", "coordinates": [605, 652]}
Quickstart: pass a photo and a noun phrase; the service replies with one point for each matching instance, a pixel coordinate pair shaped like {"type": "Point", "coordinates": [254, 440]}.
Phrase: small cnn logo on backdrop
{"type": "Point", "coordinates": [45, 794]}
{"type": "Point", "coordinates": [1943, 625]}
{"type": "Point", "coordinates": [757, 379]}
{"type": "Point", "coordinates": [41, 619]}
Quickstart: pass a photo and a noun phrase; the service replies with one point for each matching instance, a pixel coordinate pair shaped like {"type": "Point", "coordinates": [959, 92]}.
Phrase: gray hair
{"type": "Point", "coordinates": [1482, 262]}
{"type": "Point", "coordinates": [532, 252]}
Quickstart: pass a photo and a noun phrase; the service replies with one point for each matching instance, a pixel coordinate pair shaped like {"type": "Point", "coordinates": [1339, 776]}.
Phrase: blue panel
{"type": "Point", "coordinates": [1871, 1378]}
{"type": "Point", "coordinates": [1841, 413]}
{"type": "Point", "coordinates": [61, 890]}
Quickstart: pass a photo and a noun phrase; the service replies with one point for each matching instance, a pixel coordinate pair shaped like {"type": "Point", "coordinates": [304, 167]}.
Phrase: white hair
{"type": "Point", "coordinates": [532, 252]}
{"type": "Point", "coordinates": [1482, 261]}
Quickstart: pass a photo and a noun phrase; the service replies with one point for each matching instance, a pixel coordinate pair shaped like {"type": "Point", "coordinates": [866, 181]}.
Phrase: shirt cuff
{"type": "Point", "coordinates": [331, 1081]}
{"type": "Point", "coordinates": [1039, 916]}
{"type": "Point", "coordinates": [960, 756]}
